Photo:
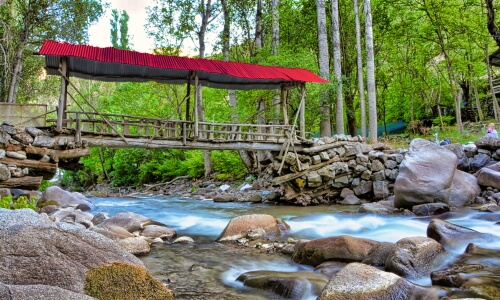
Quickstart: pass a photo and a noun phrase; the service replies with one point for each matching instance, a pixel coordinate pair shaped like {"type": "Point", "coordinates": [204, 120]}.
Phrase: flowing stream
{"type": "Point", "coordinates": [207, 270]}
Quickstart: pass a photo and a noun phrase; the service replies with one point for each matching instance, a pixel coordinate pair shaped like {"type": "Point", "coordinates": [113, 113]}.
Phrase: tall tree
{"type": "Point", "coordinates": [179, 19]}
{"type": "Point", "coordinates": [119, 29]}
{"type": "Point", "coordinates": [370, 74]}
{"type": "Point", "coordinates": [337, 68]}
{"type": "Point", "coordinates": [324, 69]}
{"type": "Point", "coordinates": [31, 22]}
{"type": "Point", "coordinates": [359, 63]}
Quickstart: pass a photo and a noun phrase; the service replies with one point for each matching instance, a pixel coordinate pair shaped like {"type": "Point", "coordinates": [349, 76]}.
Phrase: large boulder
{"type": "Point", "coordinates": [252, 226]}
{"type": "Point", "coordinates": [342, 248]}
{"type": "Point", "coordinates": [38, 292]}
{"type": "Point", "coordinates": [34, 250]}
{"type": "Point", "coordinates": [413, 257]}
{"type": "Point", "coordinates": [489, 176]}
{"type": "Point", "coordinates": [362, 282]}
{"type": "Point", "coordinates": [425, 175]}
{"type": "Point", "coordinates": [64, 198]}
{"type": "Point", "coordinates": [130, 221]}
{"type": "Point", "coordinates": [289, 285]}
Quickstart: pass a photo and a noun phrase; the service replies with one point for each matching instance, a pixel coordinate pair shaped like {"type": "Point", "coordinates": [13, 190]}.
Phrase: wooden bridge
{"type": "Point", "coordinates": [123, 131]}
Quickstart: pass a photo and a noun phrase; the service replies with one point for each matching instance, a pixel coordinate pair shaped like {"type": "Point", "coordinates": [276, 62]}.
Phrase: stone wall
{"type": "Point", "coordinates": [29, 154]}
{"type": "Point", "coordinates": [339, 169]}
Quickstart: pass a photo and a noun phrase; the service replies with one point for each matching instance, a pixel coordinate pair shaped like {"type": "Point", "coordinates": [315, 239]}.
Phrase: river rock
{"type": "Point", "coordinates": [135, 245]}
{"type": "Point", "coordinates": [479, 161]}
{"type": "Point", "coordinates": [463, 160]}
{"type": "Point", "coordinates": [362, 282]}
{"type": "Point", "coordinates": [156, 231]}
{"type": "Point", "coordinates": [4, 138]}
{"type": "Point", "coordinates": [34, 250]}
{"type": "Point", "coordinates": [489, 177]}
{"type": "Point", "coordinates": [71, 215]}
{"type": "Point", "coordinates": [112, 232]}
{"type": "Point", "coordinates": [342, 248]}
{"type": "Point", "coordinates": [44, 141]}
{"type": "Point", "coordinates": [99, 218]}
{"type": "Point", "coordinates": [241, 226]}
{"type": "Point", "coordinates": [464, 189]}
{"type": "Point", "coordinates": [425, 175]}
{"type": "Point", "coordinates": [429, 209]}
{"type": "Point", "coordinates": [453, 236]}
{"type": "Point", "coordinates": [64, 198]}
{"type": "Point", "coordinates": [132, 222]}
{"type": "Point", "coordinates": [378, 254]}
{"type": "Point", "coordinates": [375, 208]}
{"type": "Point", "coordinates": [488, 143]}
{"type": "Point", "coordinates": [412, 257]}
{"type": "Point", "coordinates": [329, 268]}
{"type": "Point", "coordinates": [16, 154]}
{"type": "Point", "coordinates": [38, 292]}
{"type": "Point", "coordinates": [23, 137]}
{"type": "Point", "coordinates": [289, 285]}
{"type": "Point", "coordinates": [351, 200]}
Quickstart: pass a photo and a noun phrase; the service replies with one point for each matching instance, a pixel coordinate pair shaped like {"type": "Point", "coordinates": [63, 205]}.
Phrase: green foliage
{"type": "Point", "coordinates": [25, 202]}
{"type": "Point", "coordinates": [6, 202]}
{"type": "Point", "coordinates": [44, 185]}
{"type": "Point", "coordinates": [124, 281]}
{"type": "Point", "coordinates": [447, 120]}
{"type": "Point", "coordinates": [19, 203]}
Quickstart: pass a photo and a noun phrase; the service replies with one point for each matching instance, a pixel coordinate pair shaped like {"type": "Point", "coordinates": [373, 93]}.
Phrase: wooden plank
{"type": "Point", "coordinates": [26, 182]}
{"type": "Point", "coordinates": [58, 154]}
{"type": "Point", "coordinates": [47, 170]}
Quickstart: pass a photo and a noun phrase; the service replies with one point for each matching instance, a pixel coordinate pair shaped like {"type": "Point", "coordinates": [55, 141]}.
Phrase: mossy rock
{"type": "Point", "coordinates": [41, 204]}
{"type": "Point", "coordinates": [124, 281]}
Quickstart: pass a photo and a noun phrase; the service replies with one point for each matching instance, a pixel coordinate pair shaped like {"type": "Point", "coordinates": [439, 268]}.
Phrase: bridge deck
{"type": "Point", "coordinates": [122, 131]}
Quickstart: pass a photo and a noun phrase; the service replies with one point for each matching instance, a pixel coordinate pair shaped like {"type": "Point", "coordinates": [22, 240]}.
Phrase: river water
{"type": "Point", "coordinates": [207, 270]}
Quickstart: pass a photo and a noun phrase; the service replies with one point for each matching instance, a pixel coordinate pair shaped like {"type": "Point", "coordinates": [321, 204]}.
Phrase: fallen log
{"type": "Point", "coordinates": [58, 154]}
{"type": "Point", "coordinates": [47, 170]}
{"type": "Point", "coordinates": [26, 183]}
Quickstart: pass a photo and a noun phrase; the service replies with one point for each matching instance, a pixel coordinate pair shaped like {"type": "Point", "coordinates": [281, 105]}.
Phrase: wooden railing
{"type": "Point", "coordinates": [153, 128]}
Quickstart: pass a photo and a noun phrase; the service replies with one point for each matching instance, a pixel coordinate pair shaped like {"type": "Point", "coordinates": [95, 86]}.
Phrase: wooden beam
{"type": "Point", "coordinates": [195, 114]}
{"type": "Point", "coordinates": [58, 154]}
{"type": "Point", "coordinates": [26, 182]}
{"type": "Point", "coordinates": [63, 96]}
{"type": "Point", "coordinates": [115, 142]}
{"type": "Point", "coordinates": [302, 109]}
{"type": "Point", "coordinates": [47, 170]}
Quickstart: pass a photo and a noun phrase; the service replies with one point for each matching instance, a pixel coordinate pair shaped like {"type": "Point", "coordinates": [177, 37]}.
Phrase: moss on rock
{"type": "Point", "coordinates": [124, 281]}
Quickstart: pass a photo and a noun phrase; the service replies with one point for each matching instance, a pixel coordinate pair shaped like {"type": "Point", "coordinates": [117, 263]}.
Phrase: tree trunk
{"type": "Point", "coordinates": [258, 26]}
{"type": "Point", "coordinates": [478, 103]}
{"type": "Point", "coordinates": [337, 69]}
{"type": "Point", "coordinates": [361, 84]}
{"type": "Point", "coordinates": [496, 109]}
{"type": "Point", "coordinates": [370, 75]}
{"type": "Point", "coordinates": [324, 69]}
{"type": "Point", "coordinates": [274, 51]}
{"type": "Point", "coordinates": [492, 28]}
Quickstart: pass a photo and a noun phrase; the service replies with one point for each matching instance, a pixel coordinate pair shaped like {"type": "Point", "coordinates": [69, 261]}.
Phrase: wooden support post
{"type": "Point", "coordinates": [78, 132]}
{"type": "Point", "coordinates": [285, 109]}
{"type": "Point", "coordinates": [196, 106]}
{"type": "Point", "coordinates": [188, 96]}
{"type": "Point", "coordinates": [63, 96]}
{"type": "Point", "coordinates": [184, 133]}
{"type": "Point", "coordinates": [302, 108]}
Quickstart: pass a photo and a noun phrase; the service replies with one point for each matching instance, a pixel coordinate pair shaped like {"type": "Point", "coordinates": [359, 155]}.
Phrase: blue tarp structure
{"type": "Point", "coordinates": [392, 128]}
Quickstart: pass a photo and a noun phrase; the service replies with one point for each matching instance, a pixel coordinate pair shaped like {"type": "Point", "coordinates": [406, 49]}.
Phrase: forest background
{"type": "Point", "coordinates": [421, 55]}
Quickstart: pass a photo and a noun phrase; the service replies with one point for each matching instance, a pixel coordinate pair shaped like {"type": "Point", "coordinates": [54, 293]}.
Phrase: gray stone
{"type": "Point", "coordinates": [479, 161]}
{"type": "Point", "coordinates": [364, 187]}
{"type": "Point", "coordinates": [64, 198]}
{"type": "Point", "coordinates": [464, 189]}
{"type": "Point", "coordinates": [4, 192]}
{"type": "Point", "coordinates": [350, 200]}
{"type": "Point", "coordinates": [396, 157]}
{"type": "Point", "coordinates": [346, 192]}
{"type": "Point", "coordinates": [394, 175]}
{"type": "Point", "coordinates": [425, 175]}
{"type": "Point", "coordinates": [429, 209]}
{"type": "Point", "coordinates": [390, 164]}
{"type": "Point", "coordinates": [324, 156]}
{"type": "Point", "coordinates": [413, 257]}
{"type": "Point", "coordinates": [313, 179]}
{"type": "Point", "coordinates": [135, 245]}
{"type": "Point", "coordinates": [489, 177]}
{"type": "Point", "coordinates": [39, 251]}
{"type": "Point", "coordinates": [351, 150]}
{"type": "Point", "coordinates": [23, 137]}
{"type": "Point", "coordinates": [183, 240]}
{"type": "Point", "coordinates": [378, 254]}
{"type": "Point", "coordinates": [38, 292]}
{"type": "Point", "coordinates": [239, 227]}
{"type": "Point", "coordinates": [4, 172]}
{"type": "Point", "coordinates": [358, 281]}
{"type": "Point", "coordinates": [156, 231]}
{"type": "Point", "coordinates": [44, 141]}
{"type": "Point", "coordinates": [375, 208]}
{"type": "Point", "coordinates": [326, 173]}
{"type": "Point", "coordinates": [378, 176]}
{"type": "Point", "coordinates": [9, 128]}
{"type": "Point", "coordinates": [358, 169]}
{"type": "Point", "coordinates": [16, 154]}
{"type": "Point", "coordinates": [377, 165]}
{"type": "Point", "coordinates": [4, 138]}
{"type": "Point", "coordinates": [366, 175]}
{"type": "Point", "coordinates": [380, 189]}
{"type": "Point", "coordinates": [34, 132]}
{"type": "Point", "coordinates": [341, 181]}
{"type": "Point", "coordinates": [2, 153]}
{"type": "Point", "coordinates": [362, 159]}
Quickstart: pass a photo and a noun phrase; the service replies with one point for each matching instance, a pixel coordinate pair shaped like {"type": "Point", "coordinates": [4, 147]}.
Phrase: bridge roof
{"type": "Point", "coordinates": [111, 64]}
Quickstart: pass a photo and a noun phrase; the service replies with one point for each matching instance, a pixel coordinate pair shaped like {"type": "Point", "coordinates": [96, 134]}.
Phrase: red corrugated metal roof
{"type": "Point", "coordinates": [95, 62]}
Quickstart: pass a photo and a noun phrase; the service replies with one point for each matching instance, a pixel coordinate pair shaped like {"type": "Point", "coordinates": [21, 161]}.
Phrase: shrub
{"type": "Point", "coordinates": [124, 281]}
{"type": "Point", "coordinates": [25, 202]}
{"type": "Point", "coordinates": [6, 202]}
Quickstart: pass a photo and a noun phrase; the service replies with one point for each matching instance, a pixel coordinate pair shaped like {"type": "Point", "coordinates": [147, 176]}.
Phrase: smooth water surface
{"type": "Point", "coordinates": [207, 270]}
